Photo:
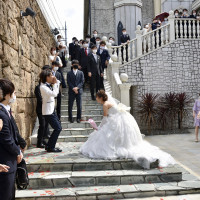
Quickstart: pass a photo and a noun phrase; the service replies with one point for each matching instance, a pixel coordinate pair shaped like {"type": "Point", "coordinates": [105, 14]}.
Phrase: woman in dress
{"type": "Point", "coordinates": [196, 115]}
{"type": "Point", "coordinates": [118, 136]}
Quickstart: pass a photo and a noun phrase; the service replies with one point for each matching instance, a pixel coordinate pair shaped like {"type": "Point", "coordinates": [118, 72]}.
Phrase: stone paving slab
{"type": "Point", "coordinates": [112, 177]}
{"type": "Point", "coordinates": [71, 158]}
{"type": "Point", "coordinates": [178, 197]}
{"type": "Point", "coordinates": [99, 191]}
{"type": "Point", "coordinates": [182, 147]}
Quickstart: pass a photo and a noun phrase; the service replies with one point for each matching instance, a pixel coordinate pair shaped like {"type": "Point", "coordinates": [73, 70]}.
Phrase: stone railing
{"type": "Point", "coordinates": [176, 28]}
{"type": "Point", "coordinates": [119, 83]}
{"type": "Point", "coordinates": [187, 28]}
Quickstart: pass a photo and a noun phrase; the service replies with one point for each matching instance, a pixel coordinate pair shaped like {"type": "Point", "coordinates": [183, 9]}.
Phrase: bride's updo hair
{"type": "Point", "coordinates": [102, 94]}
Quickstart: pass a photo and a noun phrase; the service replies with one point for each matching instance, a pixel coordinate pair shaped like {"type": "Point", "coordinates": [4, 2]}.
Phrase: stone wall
{"type": "Point", "coordinates": [173, 68]}
{"type": "Point", "coordinates": [24, 49]}
{"type": "Point", "coordinates": [168, 5]}
{"type": "Point", "coordinates": [103, 17]}
{"type": "Point", "coordinates": [147, 11]}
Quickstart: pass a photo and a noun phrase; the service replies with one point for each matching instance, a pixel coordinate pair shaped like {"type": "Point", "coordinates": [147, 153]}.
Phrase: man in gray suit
{"type": "Point", "coordinates": [95, 71]}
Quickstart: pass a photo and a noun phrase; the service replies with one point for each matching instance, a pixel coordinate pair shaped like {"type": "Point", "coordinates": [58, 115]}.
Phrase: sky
{"type": "Point", "coordinates": [70, 11]}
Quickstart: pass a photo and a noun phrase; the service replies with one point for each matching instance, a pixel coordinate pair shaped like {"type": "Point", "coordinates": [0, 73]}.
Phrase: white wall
{"type": "Point", "coordinates": [168, 5]}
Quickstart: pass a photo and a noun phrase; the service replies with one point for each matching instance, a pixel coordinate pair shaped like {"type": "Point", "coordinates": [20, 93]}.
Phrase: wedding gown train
{"type": "Point", "coordinates": [119, 136]}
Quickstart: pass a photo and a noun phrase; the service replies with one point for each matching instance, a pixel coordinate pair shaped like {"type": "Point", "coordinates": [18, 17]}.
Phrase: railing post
{"type": "Point", "coordinates": [114, 69]}
{"type": "Point", "coordinates": [125, 90]}
{"type": "Point", "coordinates": [171, 20]}
{"type": "Point", "coordinates": [138, 33]}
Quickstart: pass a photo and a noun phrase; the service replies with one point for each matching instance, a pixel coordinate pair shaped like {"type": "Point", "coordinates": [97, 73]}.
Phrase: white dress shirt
{"type": "Point", "coordinates": [6, 107]}
{"type": "Point", "coordinates": [95, 56]}
{"type": "Point", "coordinates": [75, 71]}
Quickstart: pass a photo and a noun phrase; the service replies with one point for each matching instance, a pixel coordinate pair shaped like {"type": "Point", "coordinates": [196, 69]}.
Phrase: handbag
{"type": "Point", "coordinates": [22, 179]}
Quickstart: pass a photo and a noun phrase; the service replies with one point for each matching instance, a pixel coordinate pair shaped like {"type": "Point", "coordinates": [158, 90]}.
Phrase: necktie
{"type": "Point", "coordinates": [86, 52]}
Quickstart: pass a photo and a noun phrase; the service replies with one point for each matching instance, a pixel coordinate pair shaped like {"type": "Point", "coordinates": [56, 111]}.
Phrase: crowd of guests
{"type": "Point", "coordinates": [89, 60]}
{"type": "Point", "coordinates": [157, 22]}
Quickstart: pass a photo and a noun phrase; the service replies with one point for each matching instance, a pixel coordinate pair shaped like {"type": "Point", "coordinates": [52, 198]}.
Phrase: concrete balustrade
{"type": "Point", "coordinates": [176, 28]}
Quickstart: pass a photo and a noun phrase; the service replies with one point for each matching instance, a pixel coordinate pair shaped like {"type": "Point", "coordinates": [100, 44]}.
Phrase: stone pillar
{"type": "Point", "coordinates": [129, 12]}
{"type": "Point", "coordinates": [114, 69]}
{"type": "Point", "coordinates": [157, 7]}
{"type": "Point", "coordinates": [171, 20]}
{"type": "Point", "coordinates": [125, 90]}
{"type": "Point", "coordinates": [138, 33]}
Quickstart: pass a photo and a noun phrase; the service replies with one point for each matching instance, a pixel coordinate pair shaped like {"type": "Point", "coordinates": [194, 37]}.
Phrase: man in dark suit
{"type": "Point", "coordinates": [76, 51]}
{"type": "Point", "coordinates": [43, 130]}
{"type": "Point", "coordinates": [95, 71]}
{"type": "Point", "coordinates": [83, 59]}
{"type": "Point", "coordinates": [71, 47]}
{"type": "Point", "coordinates": [124, 39]}
{"type": "Point", "coordinates": [104, 55]}
{"type": "Point", "coordinates": [75, 80]}
{"type": "Point", "coordinates": [93, 39]}
{"type": "Point", "coordinates": [55, 67]}
{"type": "Point", "coordinates": [10, 153]}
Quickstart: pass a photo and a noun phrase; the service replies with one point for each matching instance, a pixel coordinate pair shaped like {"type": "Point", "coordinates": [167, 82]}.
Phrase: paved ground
{"type": "Point", "coordinates": [184, 197]}
{"type": "Point", "coordinates": [182, 147]}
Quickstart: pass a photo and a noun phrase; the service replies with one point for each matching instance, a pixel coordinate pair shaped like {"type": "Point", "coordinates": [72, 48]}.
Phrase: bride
{"type": "Point", "coordinates": [118, 136]}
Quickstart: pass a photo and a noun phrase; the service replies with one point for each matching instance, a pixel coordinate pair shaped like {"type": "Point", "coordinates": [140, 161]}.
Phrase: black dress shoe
{"type": "Point", "coordinates": [40, 145]}
{"type": "Point", "coordinates": [46, 136]}
{"type": "Point", "coordinates": [78, 121]}
{"type": "Point", "coordinates": [71, 120]}
{"type": "Point", "coordinates": [55, 150]}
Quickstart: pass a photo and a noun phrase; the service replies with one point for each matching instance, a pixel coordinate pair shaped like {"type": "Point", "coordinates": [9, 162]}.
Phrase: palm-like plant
{"type": "Point", "coordinates": [162, 117]}
{"type": "Point", "coordinates": [147, 109]}
{"type": "Point", "coordinates": [183, 100]}
{"type": "Point", "coordinates": [170, 104]}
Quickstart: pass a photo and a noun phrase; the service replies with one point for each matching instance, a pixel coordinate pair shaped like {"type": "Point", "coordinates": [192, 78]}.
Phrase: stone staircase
{"type": "Point", "coordinates": [71, 176]}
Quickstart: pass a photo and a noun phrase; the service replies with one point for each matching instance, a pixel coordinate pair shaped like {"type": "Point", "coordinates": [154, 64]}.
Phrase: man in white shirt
{"type": "Point", "coordinates": [49, 90]}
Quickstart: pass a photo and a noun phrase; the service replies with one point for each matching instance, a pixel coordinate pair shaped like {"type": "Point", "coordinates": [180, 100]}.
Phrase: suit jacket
{"type": "Point", "coordinates": [39, 99]}
{"type": "Point", "coordinates": [124, 38]}
{"type": "Point", "coordinates": [9, 149]}
{"type": "Point", "coordinates": [48, 97]}
{"type": "Point", "coordinates": [71, 48]}
{"type": "Point", "coordinates": [75, 81]}
{"type": "Point", "coordinates": [83, 58]}
{"type": "Point", "coordinates": [93, 40]}
{"type": "Point", "coordinates": [93, 66]}
{"type": "Point", "coordinates": [58, 76]}
{"type": "Point", "coordinates": [104, 56]}
{"type": "Point", "coordinates": [20, 140]}
{"type": "Point", "coordinates": [76, 52]}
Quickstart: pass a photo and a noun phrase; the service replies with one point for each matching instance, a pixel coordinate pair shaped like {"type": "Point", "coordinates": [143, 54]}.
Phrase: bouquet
{"type": "Point", "coordinates": [93, 124]}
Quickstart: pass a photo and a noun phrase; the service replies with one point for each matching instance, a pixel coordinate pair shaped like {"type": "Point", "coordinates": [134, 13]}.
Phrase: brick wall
{"type": "Point", "coordinates": [174, 68]}
{"type": "Point", "coordinates": [35, 39]}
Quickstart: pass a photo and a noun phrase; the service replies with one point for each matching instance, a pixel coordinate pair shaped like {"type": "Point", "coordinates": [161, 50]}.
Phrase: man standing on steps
{"type": "Point", "coordinates": [55, 67]}
{"type": "Point", "coordinates": [124, 39]}
{"type": "Point", "coordinates": [75, 81]}
{"type": "Point", "coordinates": [95, 71]}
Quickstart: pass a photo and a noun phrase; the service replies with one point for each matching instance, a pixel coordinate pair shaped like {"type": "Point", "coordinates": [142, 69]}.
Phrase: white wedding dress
{"type": "Point", "coordinates": [119, 136]}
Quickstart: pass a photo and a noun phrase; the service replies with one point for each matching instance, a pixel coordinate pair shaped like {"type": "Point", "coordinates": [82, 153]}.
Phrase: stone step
{"type": "Point", "coordinates": [85, 107]}
{"type": "Point", "coordinates": [111, 192]}
{"type": "Point", "coordinates": [72, 160]}
{"type": "Point", "coordinates": [84, 117]}
{"type": "Point", "coordinates": [85, 94]}
{"type": "Point", "coordinates": [84, 102]}
{"type": "Point", "coordinates": [64, 138]}
{"type": "Point", "coordinates": [83, 124]}
{"type": "Point", "coordinates": [84, 112]}
{"type": "Point", "coordinates": [42, 179]}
